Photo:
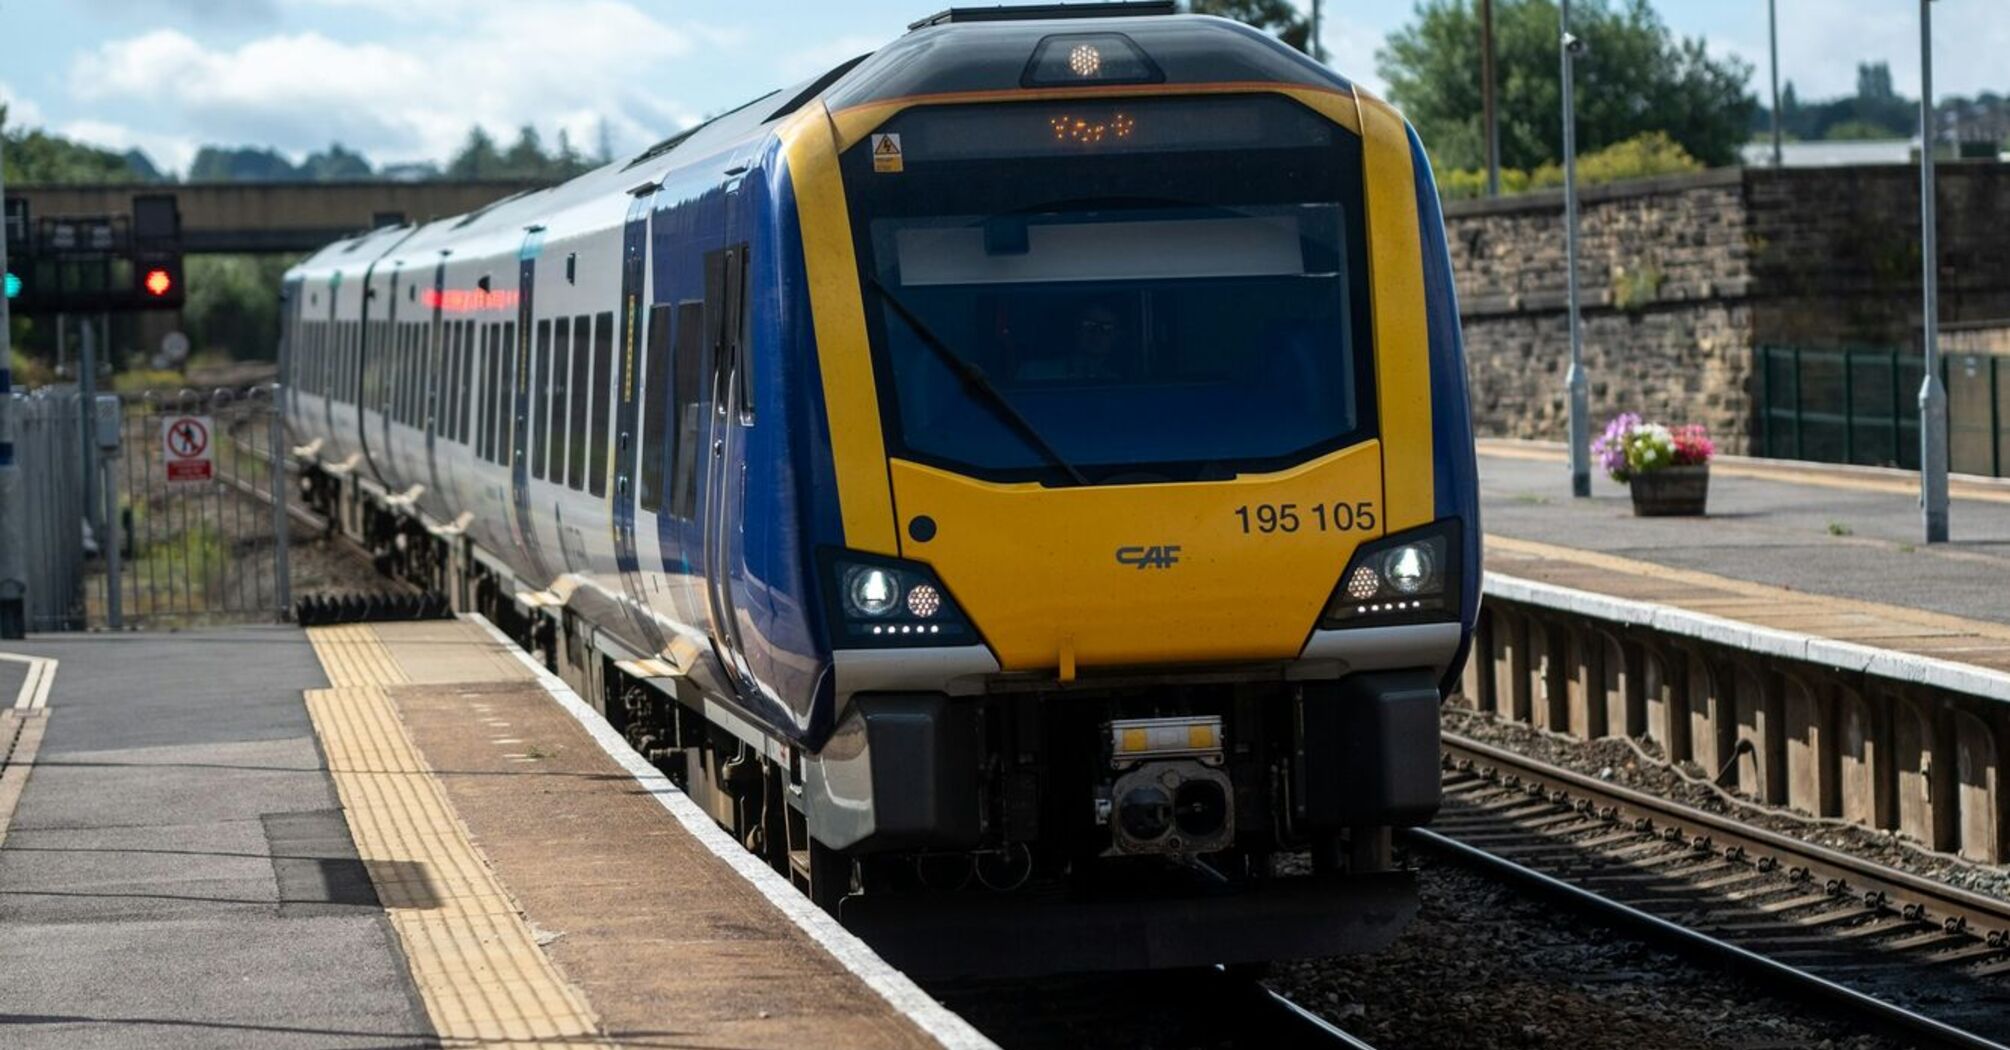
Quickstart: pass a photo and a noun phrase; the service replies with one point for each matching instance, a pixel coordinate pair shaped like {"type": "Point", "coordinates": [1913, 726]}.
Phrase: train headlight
{"type": "Point", "coordinates": [1069, 59]}
{"type": "Point", "coordinates": [1408, 578]}
{"type": "Point", "coordinates": [871, 592]}
{"type": "Point", "coordinates": [924, 600]}
{"type": "Point", "coordinates": [877, 602]}
{"type": "Point", "coordinates": [1408, 568]}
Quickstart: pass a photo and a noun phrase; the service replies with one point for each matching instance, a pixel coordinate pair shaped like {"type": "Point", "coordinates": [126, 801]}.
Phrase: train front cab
{"type": "Point", "coordinates": [1158, 533]}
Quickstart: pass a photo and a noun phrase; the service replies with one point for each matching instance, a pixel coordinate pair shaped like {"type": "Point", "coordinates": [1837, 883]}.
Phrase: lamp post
{"type": "Point", "coordinates": [1574, 381]}
{"type": "Point", "coordinates": [13, 524]}
{"type": "Point", "coordinates": [1488, 113]}
{"type": "Point", "coordinates": [1932, 394]}
{"type": "Point", "coordinates": [1773, 34]}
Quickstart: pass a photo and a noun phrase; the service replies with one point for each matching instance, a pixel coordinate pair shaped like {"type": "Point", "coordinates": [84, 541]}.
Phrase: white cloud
{"type": "Point", "coordinates": [21, 112]}
{"type": "Point", "coordinates": [811, 61]}
{"type": "Point", "coordinates": [549, 63]}
{"type": "Point", "coordinates": [1350, 49]}
{"type": "Point", "coordinates": [168, 152]}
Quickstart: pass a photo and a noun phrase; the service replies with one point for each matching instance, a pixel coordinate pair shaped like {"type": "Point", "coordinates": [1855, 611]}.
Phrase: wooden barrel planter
{"type": "Point", "coordinates": [1671, 491]}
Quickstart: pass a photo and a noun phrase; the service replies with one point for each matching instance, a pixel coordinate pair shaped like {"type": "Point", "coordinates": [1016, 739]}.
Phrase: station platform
{"type": "Point", "coordinates": [1824, 551]}
{"type": "Point", "coordinates": [1797, 646]}
{"type": "Point", "coordinates": [384, 835]}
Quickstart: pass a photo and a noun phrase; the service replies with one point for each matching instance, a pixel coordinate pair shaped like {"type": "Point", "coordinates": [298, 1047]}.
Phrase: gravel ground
{"type": "Point", "coordinates": [1619, 763]}
{"type": "Point", "coordinates": [1487, 967]}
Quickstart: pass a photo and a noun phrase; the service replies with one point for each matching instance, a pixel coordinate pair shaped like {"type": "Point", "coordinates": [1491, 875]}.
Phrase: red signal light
{"type": "Point", "coordinates": [158, 282]}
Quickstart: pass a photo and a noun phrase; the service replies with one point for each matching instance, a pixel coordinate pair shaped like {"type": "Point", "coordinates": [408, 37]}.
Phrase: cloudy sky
{"type": "Point", "coordinates": [403, 80]}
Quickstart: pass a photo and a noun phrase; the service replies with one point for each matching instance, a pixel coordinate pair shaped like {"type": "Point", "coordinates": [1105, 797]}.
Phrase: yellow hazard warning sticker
{"type": "Point", "coordinates": [886, 153]}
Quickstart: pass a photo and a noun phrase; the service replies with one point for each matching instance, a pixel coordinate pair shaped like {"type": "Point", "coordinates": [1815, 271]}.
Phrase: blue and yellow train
{"type": "Point", "coordinates": [1020, 481]}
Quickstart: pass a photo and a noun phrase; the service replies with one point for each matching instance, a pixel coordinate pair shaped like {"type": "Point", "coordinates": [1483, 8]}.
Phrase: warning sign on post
{"type": "Point", "coordinates": [185, 449]}
{"type": "Point", "coordinates": [886, 155]}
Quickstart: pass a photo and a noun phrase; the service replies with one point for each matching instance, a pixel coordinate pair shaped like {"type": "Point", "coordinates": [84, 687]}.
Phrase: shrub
{"type": "Point", "coordinates": [1640, 157]}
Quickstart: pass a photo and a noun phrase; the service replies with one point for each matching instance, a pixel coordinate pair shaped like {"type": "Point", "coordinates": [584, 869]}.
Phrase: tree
{"type": "Point", "coordinates": [336, 163]}
{"type": "Point", "coordinates": [1637, 77]}
{"type": "Point", "coordinates": [477, 159]}
{"type": "Point", "coordinates": [33, 155]}
{"type": "Point", "coordinates": [241, 164]}
{"type": "Point", "coordinates": [233, 304]}
{"type": "Point", "coordinates": [1276, 17]}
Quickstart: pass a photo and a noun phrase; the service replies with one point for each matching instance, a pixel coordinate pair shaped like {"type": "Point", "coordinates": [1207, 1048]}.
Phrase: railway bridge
{"type": "Point", "coordinates": [253, 217]}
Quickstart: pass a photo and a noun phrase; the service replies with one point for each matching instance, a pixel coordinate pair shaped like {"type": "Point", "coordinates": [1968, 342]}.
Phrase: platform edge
{"type": "Point", "coordinates": [899, 990]}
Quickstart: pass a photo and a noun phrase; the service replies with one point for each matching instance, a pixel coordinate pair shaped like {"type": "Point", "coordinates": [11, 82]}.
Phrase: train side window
{"type": "Point", "coordinates": [738, 330]}
{"type": "Point", "coordinates": [408, 373]}
{"type": "Point", "coordinates": [655, 406]}
{"type": "Point", "coordinates": [366, 372]}
{"type": "Point", "coordinates": [416, 368]}
{"type": "Point", "coordinates": [394, 371]}
{"type": "Point", "coordinates": [498, 391]}
{"type": "Point", "coordinates": [506, 402]}
{"type": "Point", "coordinates": [436, 367]}
{"type": "Point", "coordinates": [603, 389]}
{"type": "Point", "coordinates": [560, 382]}
{"type": "Point", "coordinates": [689, 361]}
{"type": "Point", "coordinates": [483, 382]}
{"type": "Point", "coordinates": [463, 419]}
{"type": "Point", "coordinates": [517, 362]}
{"type": "Point", "coordinates": [443, 423]}
{"type": "Point", "coordinates": [582, 389]}
{"type": "Point", "coordinates": [397, 375]}
{"type": "Point", "coordinates": [470, 366]}
{"type": "Point", "coordinates": [726, 321]}
{"type": "Point", "coordinates": [540, 380]}
{"type": "Point", "coordinates": [492, 404]}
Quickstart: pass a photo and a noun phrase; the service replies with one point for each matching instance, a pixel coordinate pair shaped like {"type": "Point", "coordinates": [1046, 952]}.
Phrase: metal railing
{"type": "Point", "coordinates": [49, 430]}
{"type": "Point", "coordinates": [1861, 405]}
{"type": "Point", "coordinates": [187, 524]}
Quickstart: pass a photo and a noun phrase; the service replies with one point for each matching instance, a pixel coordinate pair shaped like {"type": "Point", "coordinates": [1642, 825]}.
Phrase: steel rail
{"type": "Point", "coordinates": [1955, 908]}
{"type": "Point", "coordinates": [1741, 960]}
{"type": "Point", "coordinates": [1310, 1027]}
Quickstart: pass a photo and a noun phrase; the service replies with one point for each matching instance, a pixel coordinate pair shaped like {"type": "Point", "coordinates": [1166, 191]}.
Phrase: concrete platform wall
{"type": "Point", "coordinates": [1924, 762]}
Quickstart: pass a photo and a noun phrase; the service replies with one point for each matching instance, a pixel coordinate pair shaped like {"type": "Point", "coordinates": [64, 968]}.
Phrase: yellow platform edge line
{"type": "Point", "coordinates": [480, 973]}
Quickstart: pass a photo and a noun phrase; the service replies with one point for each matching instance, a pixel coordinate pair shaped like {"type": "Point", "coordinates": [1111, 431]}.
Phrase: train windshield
{"type": "Point", "coordinates": [1143, 290]}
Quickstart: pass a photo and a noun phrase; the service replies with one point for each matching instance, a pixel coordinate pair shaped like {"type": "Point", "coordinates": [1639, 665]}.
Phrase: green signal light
{"type": "Point", "coordinates": [13, 286]}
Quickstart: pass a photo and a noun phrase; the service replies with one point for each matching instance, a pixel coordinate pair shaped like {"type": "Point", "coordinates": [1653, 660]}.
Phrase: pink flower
{"type": "Point", "coordinates": [1693, 446]}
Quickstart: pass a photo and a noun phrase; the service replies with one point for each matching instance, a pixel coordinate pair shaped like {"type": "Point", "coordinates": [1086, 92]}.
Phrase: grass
{"type": "Point", "coordinates": [1837, 528]}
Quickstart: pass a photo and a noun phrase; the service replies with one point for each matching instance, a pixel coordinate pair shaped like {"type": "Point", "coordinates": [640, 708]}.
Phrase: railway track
{"type": "Point", "coordinates": [1920, 958]}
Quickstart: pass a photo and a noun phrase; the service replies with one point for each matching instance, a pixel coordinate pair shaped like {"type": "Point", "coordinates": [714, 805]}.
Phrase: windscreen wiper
{"type": "Point", "coordinates": [975, 381]}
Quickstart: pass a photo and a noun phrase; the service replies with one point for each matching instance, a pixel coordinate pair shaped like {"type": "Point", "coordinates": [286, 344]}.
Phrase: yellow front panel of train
{"type": "Point", "coordinates": [1129, 575]}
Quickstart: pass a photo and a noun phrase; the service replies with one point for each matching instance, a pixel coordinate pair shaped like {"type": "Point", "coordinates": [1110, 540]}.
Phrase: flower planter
{"type": "Point", "coordinates": [1671, 491]}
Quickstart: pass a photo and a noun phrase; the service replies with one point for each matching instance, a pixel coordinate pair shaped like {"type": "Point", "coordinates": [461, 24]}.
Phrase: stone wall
{"type": "Point", "coordinates": [1684, 277]}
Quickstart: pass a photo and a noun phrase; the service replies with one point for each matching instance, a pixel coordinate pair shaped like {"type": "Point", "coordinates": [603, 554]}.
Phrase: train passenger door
{"type": "Point", "coordinates": [436, 367]}
{"type": "Point", "coordinates": [390, 379]}
{"type": "Point", "coordinates": [726, 333]}
{"type": "Point", "coordinates": [523, 527]}
{"type": "Point", "coordinates": [370, 378]}
{"type": "Point", "coordinates": [630, 376]}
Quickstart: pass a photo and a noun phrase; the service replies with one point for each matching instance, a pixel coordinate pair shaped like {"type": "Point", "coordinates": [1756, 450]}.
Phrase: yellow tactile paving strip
{"type": "Point", "coordinates": [478, 967]}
